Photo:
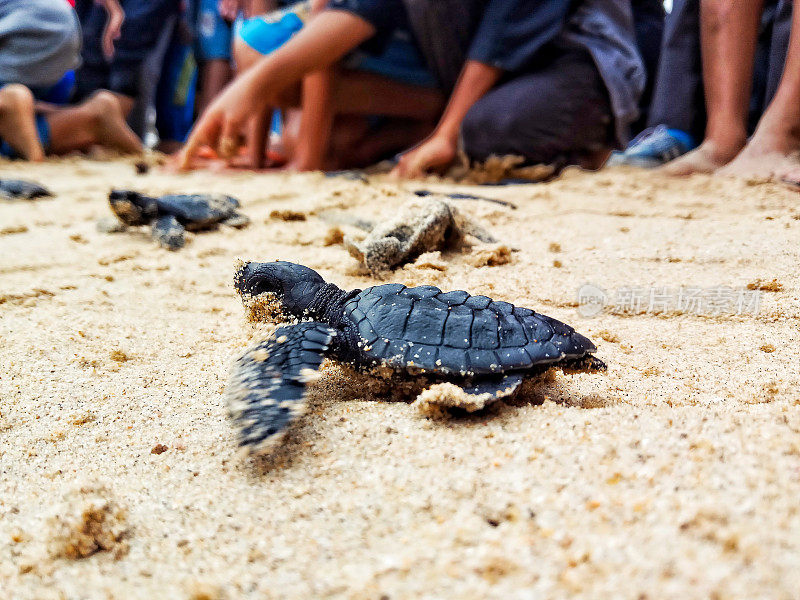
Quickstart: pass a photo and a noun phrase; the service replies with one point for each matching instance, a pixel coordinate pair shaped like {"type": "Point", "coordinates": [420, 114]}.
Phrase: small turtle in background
{"type": "Point", "coordinates": [14, 189]}
{"type": "Point", "coordinates": [173, 214]}
{"type": "Point", "coordinates": [423, 226]}
{"type": "Point", "coordinates": [486, 348]}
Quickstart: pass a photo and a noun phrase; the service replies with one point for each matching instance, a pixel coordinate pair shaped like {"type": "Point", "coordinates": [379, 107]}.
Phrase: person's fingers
{"type": "Point", "coordinates": [415, 166]}
{"type": "Point", "coordinates": [204, 132]}
{"type": "Point", "coordinates": [399, 172]}
{"type": "Point", "coordinates": [229, 140]}
{"type": "Point", "coordinates": [112, 31]}
{"type": "Point", "coordinates": [116, 22]}
{"type": "Point", "coordinates": [108, 47]}
{"type": "Point", "coordinates": [228, 9]}
{"type": "Point", "coordinates": [108, 42]}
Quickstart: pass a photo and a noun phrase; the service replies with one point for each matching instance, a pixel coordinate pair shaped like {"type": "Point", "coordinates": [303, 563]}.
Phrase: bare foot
{"type": "Point", "coordinates": [18, 122]}
{"type": "Point", "coordinates": [706, 158]}
{"type": "Point", "coordinates": [790, 177]}
{"type": "Point", "coordinates": [110, 127]}
{"type": "Point", "coordinates": [754, 164]}
{"type": "Point", "coordinates": [771, 153]}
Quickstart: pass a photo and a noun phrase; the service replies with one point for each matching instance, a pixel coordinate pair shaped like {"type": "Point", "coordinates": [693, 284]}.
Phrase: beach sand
{"type": "Point", "coordinates": [674, 475]}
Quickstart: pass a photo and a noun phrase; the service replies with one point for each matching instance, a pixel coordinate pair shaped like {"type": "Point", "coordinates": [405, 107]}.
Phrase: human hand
{"type": "Point", "coordinates": [229, 9]}
{"type": "Point", "coordinates": [221, 124]}
{"type": "Point", "coordinates": [113, 29]}
{"type": "Point", "coordinates": [435, 153]}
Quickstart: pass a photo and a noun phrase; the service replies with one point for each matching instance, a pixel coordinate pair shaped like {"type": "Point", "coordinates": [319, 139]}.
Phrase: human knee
{"type": "Point", "coordinates": [243, 55]}
{"type": "Point", "coordinates": [101, 105]}
{"type": "Point", "coordinates": [715, 13]}
{"type": "Point", "coordinates": [16, 96]}
{"type": "Point", "coordinates": [483, 131]}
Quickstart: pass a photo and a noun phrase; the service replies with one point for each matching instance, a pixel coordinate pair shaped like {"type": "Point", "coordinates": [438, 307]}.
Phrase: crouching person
{"type": "Point", "coordinates": [553, 81]}
{"type": "Point", "coordinates": [39, 45]}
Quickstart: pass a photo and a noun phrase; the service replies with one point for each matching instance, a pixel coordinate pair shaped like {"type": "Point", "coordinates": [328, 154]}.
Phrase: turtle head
{"type": "Point", "coordinates": [133, 208]}
{"type": "Point", "coordinates": [295, 286]}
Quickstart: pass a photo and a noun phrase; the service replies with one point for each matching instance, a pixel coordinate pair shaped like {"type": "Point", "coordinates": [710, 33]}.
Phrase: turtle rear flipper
{"type": "Point", "coordinates": [476, 395]}
{"type": "Point", "coordinates": [267, 389]}
{"type": "Point", "coordinates": [584, 364]}
{"type": "Point", "coordinates": [499, 387]}
{"type": "Point", "coordinates": [168, 232]}
{"type": "Point", "coordinates": [198, 211]}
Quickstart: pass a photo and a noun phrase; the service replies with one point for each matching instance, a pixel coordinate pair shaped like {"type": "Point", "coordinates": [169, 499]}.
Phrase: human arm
{"type": "Point", "coordinates": [113, 28]}
{"type": "Point", "coordinates": [317, 115]}
{"type": "Point", "coordinates": [440, 149]}
{"type": "Point", "coordinates": [317, 46]}
{"type": "Point", "coordinates": [254, 8]}
{"type": "Point", "coordinates": [316, 122]}
{"type": "Point", "coordinates": [508, 39]}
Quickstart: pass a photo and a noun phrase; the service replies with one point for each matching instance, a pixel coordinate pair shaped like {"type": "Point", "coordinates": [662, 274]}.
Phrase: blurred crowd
{"type": "Point", "coordinates": [709, 86]}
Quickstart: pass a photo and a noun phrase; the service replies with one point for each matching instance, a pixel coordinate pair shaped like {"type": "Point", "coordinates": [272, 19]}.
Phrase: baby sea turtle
{"type": "Point", "coordinates": [12, 189]}
{"type": "Point", "coordinates": [173, 214]}
{"type": "Point", "coordinates": [423, 226]}
{"type": "Point", "coordinates": [481, 345]}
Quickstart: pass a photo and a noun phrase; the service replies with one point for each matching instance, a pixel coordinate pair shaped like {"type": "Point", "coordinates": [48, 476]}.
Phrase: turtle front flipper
{"type": "Point", "coordinates": [237, 221]}
{"type": "Point", "coordinates": [267, 388]}
{"type": "Point", "coordinates": [168, 232]}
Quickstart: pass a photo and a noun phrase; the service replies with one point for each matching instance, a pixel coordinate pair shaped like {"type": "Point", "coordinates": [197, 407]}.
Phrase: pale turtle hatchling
{"type": "Point", "coordinates": [483, 346]}
{"type": "Point", "coordinates": [423, 226]}
{"type": "Point", "coordinates": [173, 214]}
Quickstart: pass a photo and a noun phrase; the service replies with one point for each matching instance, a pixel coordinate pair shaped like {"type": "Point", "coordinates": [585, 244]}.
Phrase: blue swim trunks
{"type": "Point", "coordinates": [60, 93]}
{"type": "Point", "coordinates": [42, 128]}
{"type": "Point", "coordinates": [267, 33]}
{"type": "Point", "coordinates": [214, 34]}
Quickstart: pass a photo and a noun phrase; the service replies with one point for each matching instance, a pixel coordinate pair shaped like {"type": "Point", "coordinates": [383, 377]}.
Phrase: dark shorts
{"type": "Point", "coordinates": [557, 111]}
{"type": "Point", "coordinates": [556, 114]}
{"type": "Point", "coordinates": [144, 23]}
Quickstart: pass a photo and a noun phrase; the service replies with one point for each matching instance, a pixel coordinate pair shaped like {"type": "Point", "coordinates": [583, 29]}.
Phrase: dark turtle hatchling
{"type": "Point", "coordinates": [13, 189]}
{"type": "Point", "coordinates": [479, 344]}
{"type": "Point", "coordinates": [172, 214]}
